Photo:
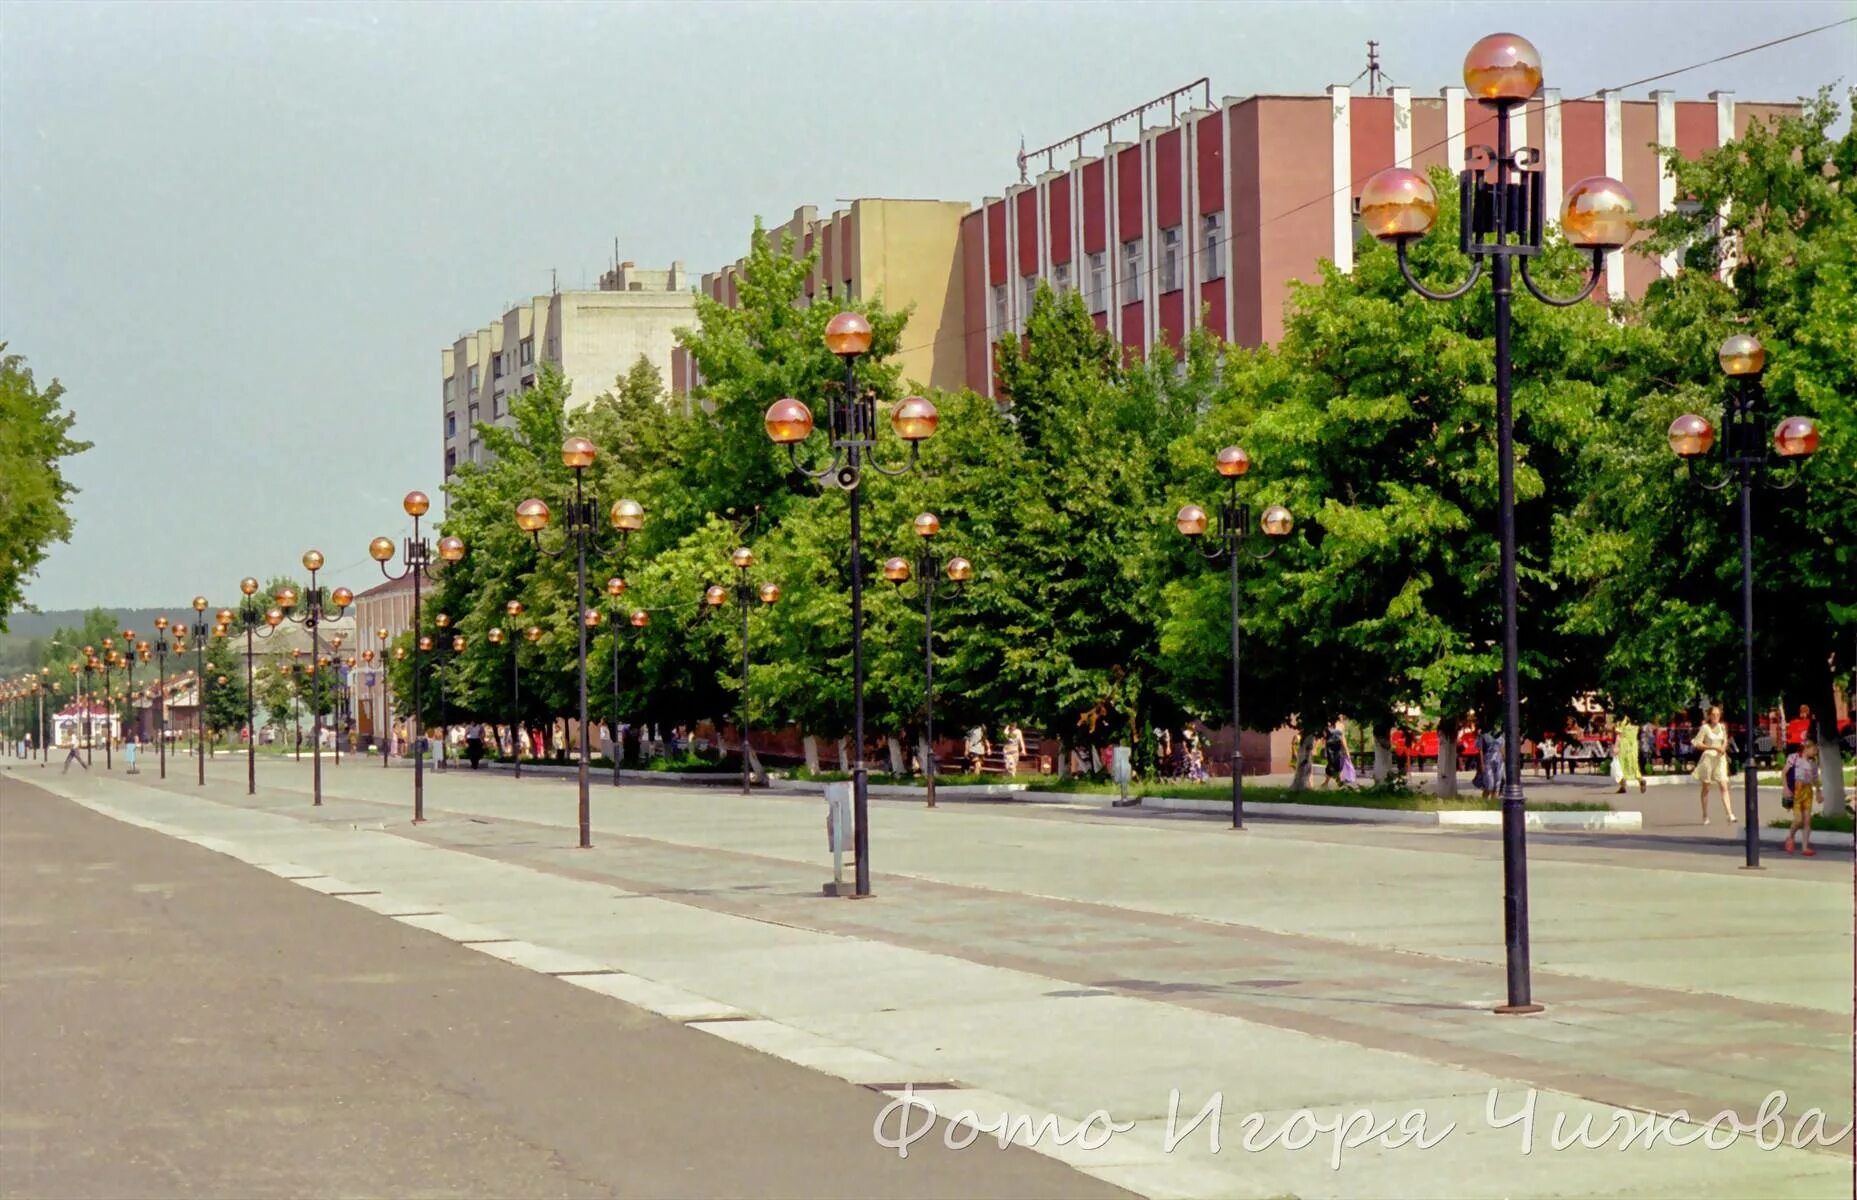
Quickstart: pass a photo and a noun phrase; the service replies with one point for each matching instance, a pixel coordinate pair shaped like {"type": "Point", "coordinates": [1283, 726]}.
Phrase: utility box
{"type": "Point", "coordinates": [838, 818]}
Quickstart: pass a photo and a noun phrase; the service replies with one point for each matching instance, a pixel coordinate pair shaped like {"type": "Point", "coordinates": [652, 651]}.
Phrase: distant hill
{"type": "Point", "coordinates": [44, 624]}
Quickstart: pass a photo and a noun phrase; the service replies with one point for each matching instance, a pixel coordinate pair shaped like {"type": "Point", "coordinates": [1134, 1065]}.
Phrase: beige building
{"type": "Point", "coordinates": [592, 336]}
{"type": "Point", "coordinates": [902, 252]}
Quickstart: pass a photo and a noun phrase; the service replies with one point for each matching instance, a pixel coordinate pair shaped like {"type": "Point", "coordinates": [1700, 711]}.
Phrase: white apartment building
{"type": "Point", "coordinates": [594, 337]}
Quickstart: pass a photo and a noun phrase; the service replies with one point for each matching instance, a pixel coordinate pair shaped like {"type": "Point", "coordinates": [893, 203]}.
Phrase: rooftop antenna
{"type": "Point", "coordinates": [1373, 74]}
{"type": "Point", "coordinates": [1022, 178]}
{"type": "Point", "coordinates": [554, 282]}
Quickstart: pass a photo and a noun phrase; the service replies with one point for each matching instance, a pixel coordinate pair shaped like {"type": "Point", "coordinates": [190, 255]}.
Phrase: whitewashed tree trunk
{"type": "Point", "coordinates": [1382, 756]}
{"type": "Point", "coordinates": [810, 744]}
{"type": "Point", "coordinates": [923, 756]}
{"type": "Point", "coordinates": [896, 756]}
{"type": "Point", "coordinates": [844, 754]}
{"type": "Point", "coordinates": [1305, 749]}
{"type": "Point", "coordinates": [1063, 759]}
{"type": "Point", "coordinates": [755, 770]}
{"type": "Point", "coordinates": [1447, 759]}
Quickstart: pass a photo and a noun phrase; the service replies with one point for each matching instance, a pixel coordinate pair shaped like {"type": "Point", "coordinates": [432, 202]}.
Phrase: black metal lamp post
{"type": "Point", "coordinates": [853, 438]}
{"type": "Point", "coordinates": [1502, 205]}
{"type": "Point", "coordinates": [627, 518]}
{"type": "Point", "coordinates": [1744, 452]}
{"type": "Point", "coordinates": [436, 645]}
{"type": "Point", "coordinates": [104, 665]}
{"type": "Point", "coordinates": [615, 588]}
{"type": "Point", "coordinates": [130, 651]}
{"type": "Point", "coordinates": [162, 646]}
{"type": "Point", "coordinates": [928, 573]}
{"type": "Point", "coordinates": [1231, 543]}
{"type": "Point", "coordinates": [746, 596]}
{"type": "Point", "coordinates": [383, 719]}
{"type": "Point", "coordinates": [250, 618]}
{"type": "Point", "coordinates": [532, 635]}
{"type": "Point", "coordinates": [314, 609]}
{"type": "Point", "coordinates": [200, 632]}
{"type": "Point", "coordinates": [91, 667]}
{"type": "Point", "coordinates": [417, 556]}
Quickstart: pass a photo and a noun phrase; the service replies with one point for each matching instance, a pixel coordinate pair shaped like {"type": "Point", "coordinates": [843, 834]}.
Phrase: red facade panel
{"type": "Point", "coordinates": [828, 257]}
{"type": "Point", "coordinates": [1212, 305]}
{"type": "Point", "coordinates": [1095, 209]}
{"type": "Point", "coordinates": [974, 292]}
{"type": "Point", "coordinates": [1167, 179]}
{"type": "Point", "coordinates": [996, 243]}
{"type": "Point", "coordinates": [1244, 256]}
{"type": "Point", "coordinates": [1057, 207]}
{"type": "Point", "coordinates": [812, 282]}
{"type": "Point", "coordinates": [1209, 161]}
{"type": "Point", "coordinates": [1173, 317]}
{"type": "Point", "coordinates": [1133, 323]}
{"type": "Point", "coordinates": [846, 254]}
{"type": "Point", "coordinates": [1582, 142]}
{"type": "Point", "coordinates": [1430, 147]}
{"type": "Point", "coordinates": [1695, 128]}
{"type": "Point", "coordinates": [1370, 137]}
{"type": "Point", "coordinates": [1642, 171]}
{"type": "Point", "coordinates": [1128, 194]}
{"type": "Point", "coordinates": [1025, 212]}
{"type": "Point", "coordinates": [734, 293]}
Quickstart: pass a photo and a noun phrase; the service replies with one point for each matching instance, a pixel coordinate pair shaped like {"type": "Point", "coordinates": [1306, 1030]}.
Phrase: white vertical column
{"type": "Point", "coordinates": [1079, 260]}
{"type": "Point", "coordinates": [1518, 127]}
{"type": "Point", "coordinates": [1666, 180]}
{"type": "Point", "coordinates": [1112, 239]}
{"type": "Point", "coordinates": [1228, 253]}
{"type": "Point", "coordinates": [986, 285]}
{"type": "Point", "coordinates": [1044, 226]}
{"type": "Point", "coordinates": [1454, 128]}
{"type": "Point", "coordinates": [1341, 141]}
{"type": "Point", "coordinates": [1553, 158]}
{"type": "Point", "coordinates": [1402, 126]}
{"type": "Point", "coordinates": [1724, 133]}
{"type": "Point", "coordinates": [1013, 316]}
{"type": "Point", "coordinates": [1615, 167]}
{"type": "Point", "coordinates": [1189, 220]}
{"type": "Point", "coordinates": [1150, 239]}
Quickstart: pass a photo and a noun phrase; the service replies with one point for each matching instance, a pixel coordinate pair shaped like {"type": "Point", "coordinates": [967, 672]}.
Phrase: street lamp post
{"type": "Point", "coordinates": [615, 588]}
{"type": "Point", "coordinates": [532, 635]}
{"type": "Point", "coordinates": [853, 422]}
{"type": "Point", "coordinates": [746, 596]}
{"type": "Point", "coordinates": [383, 720]}
{"type": "Point", "coordinates": [627, 518]}
{"type": "Point", "coordinates": [104, 665]}
{"type": "Point", "coordinates": [162, 647]}
{"type": "Point", "coordinates": [315, 606]}
{"type": "Point", "coordinates": [1231, 543]}
{"type": "Point", "coordinates": [250, 617]}
{"type": "Point", "coordinates": [1502, 212]}
{"type": "Point", "coordinates": [417, 557]}
{"type": "Point", "coordinates": [928, 571]}
{"type": "Point", "coordinates": [1744, 416]}
{"type": "Point", "coordinates": [200, 632]}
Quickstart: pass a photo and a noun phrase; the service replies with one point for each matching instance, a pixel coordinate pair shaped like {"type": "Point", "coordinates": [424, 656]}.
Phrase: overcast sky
{"type": "Point", "coordinates": [240, 234]}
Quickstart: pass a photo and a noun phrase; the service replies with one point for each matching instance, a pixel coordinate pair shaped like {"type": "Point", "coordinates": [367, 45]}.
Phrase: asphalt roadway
{"type": "Point", "coordinates": [174, 1023]}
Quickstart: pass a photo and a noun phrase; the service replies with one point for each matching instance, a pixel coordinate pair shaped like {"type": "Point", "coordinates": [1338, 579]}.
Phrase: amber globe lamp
{"type": "Point", "coordinates": [927, 525]}
{"type": "Point", "coordinates": [1742, 354]}
{"type": "Point", "coordinates": [451, 549]}
{"type": "Point", "coordinates": [513, 608]}
{"type": "Point", "coordinates": [847, 334]}
{"type": "Point", "coordinates": [1503, 67]}
{"type": "Point", "coordinates": [614, 587]}
{"type": "Point", "coordinates": [1691, 436]}
{"type": "Point", "coordinates": [312, 560]}
{"type": "Point", "coordinates": [199, 603]}
{"type": "Point", "coordinates": [416, 504]}
{"type": "Point", "coordinates": [742, 558]}
{"type": "Point", "coordinates": [532, 516]}
{"type": "Point", "coordinates": [914, 420]}
{"type": "Point", "coordinates": [274, 618]}
{"type": "Point", "coordinates": [533, 633]}
{"type": "Point", "coordinates": [248, 586]}
{"type": "Point", "coordinates": [341, 597]}
{"type": "Point", "coordinates": [1397, 203]}
{"type": "Point", "coordinates": [591, 618]}
{"type": "Point", "coordinates": [1797, 437]}
{"type": "Point", "coordinates": [442, 620]}
{"type": "Point", "coordinates": [399, 654]}
{"type": "Point", "coordinates": [223, 616]}
{"type": "Point", "coordinates": [221, 681]}
{"type": "Point", "coordinates": [896, 570]}
{"type": "Point", "coordinates": [495, 634]}
{"type": "Point", "coordinates": [381, 634]}
{"type": "Point", "coordinates": [1276, 521]}
{"type": "Point", "coordinates": [161, 623]}
{"type": "Point", "coordinates": [1191, 520]}
{"type": "Point", "coordinates": [640, 618]}
{"type": "Point", "coordinates": [770, 592]}
{"type": "Point", "coordinates": [286, 598]}
{"type": "Point", "coordinates": [1232, 462]}
{"type": "Point", "coordinates": [1598, 213]}
{"type": "Point", "coordinates": [425, 641]}
{"type": "Point", "coordinates": [715, 595]}
{"type": "Point", "coordinates": [960, 570]}
{"type": "Point", "coordinates": [577, 453]}
{"type": "Point", "coordinates": [627, 516]}
{"type": "Point", "coordinates": [457, 643]}
{"type": "Point", "coordinates": [380, 549]}
{"type": "Point", "coordinates": [788, 421]}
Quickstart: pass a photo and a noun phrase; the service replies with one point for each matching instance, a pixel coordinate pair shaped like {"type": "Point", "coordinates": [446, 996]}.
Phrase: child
{"type": "Point", "coordinates": [1802, 793]}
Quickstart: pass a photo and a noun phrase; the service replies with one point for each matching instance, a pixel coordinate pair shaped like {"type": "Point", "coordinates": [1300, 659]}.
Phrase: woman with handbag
{"type": "Point", "coordinates": [1625, 755]}
{"type": "Point", "coordinates": [1711, 743]}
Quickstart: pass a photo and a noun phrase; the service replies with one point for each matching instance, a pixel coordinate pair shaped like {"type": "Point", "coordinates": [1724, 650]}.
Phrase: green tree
{"type": "Point", "coordinates": [225, 702]}
{"type": "Point", "coordinates": [1655, 559]}
{"type": "Point", "coordinates": [35, 437]}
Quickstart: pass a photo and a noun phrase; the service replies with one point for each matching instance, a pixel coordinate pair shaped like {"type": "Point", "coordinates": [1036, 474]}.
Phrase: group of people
{"type": "Point", "coordinates": [1011, 748]}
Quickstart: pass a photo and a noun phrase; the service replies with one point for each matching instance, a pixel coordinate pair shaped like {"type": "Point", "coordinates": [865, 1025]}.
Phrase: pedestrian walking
{"type": "Point", "coordinates": [1802, 795]}
{"type": "Point", "coordinates": [1196, 757]}
{"type": "Point", "coordinates": [1550, 756]}
{"type": "Point", "coordinates": [1711, 742]}
{"type": "Point", "coordinates": [1647, 749]}
{"type": "Point", "coordinates": [1625, 745]}
{"type": "Point", "coordinates": [1334, 747]}
{"type": "Point", "coordinates": [474, 743]}
{"type": "Point", "coordinates": [130, 747]}
{"type": "Point", "coordinates": [976, 749]}
{"type": "Point", "coordinates": [1013, 747]}
{"type": "Point", "coordinates": [73, 756]}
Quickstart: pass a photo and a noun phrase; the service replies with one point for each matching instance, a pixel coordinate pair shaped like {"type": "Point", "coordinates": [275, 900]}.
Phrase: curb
{"type": "Point", "coordinates": [1820, 837]}
{"type": "Point", "coordinates": [1609, 822]}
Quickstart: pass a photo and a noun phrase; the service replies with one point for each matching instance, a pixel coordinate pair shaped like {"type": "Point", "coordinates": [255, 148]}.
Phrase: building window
{"type": "Point", "coordinates": [1170, 259]}
{"type": "Point", "coordinates": [497, 368]}
{"type": "Point", "coordinates": [451, 460]}
{"type": "Point", "coordinates": [528, 381]}
{"type": "Point", "coordinates": [496, 406]}
{"type": "Point", "coordinates": [477, 452]}
{"type": "Point", "coordinates": [473, 418]}
{"type": "Point", "coordinates": [528, 351]}
{"type": "Point", "coordinates": [1001, 318]}
{"type": "Point", "coordinates": [1131, 271]}
{"type": "Point", "coordinates": [451, 425]}
{"type": "Point", "coordinates": [1099, 281]}
{"type": "Point", "coordinates": [1028, 286]}
{"type": "Point", "coordinates": [1061, 278]}
{"type": "Point", "coordinates": [476, 378]}
{"type": "Point", "coordinates": [1212, 246]}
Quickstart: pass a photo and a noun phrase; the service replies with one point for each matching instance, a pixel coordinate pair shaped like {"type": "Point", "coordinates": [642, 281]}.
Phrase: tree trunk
{"type": "Point", "coordinates": [1063, 759]}
{"type": "Point", "coordinates": [1447, 758]}
{"type": "Point", "coordinates": [1382, 754]}
{"type": "Point", "coordinates": [925, 757]}
{"type": "Point", "coordinates": [897, 767]}
{"type": "Point", "coordinates": [1305, 753]}
{"type": "Point", "coordinates": [1831, 794]}
{"type": "Point", "coordinates": [810, 744]}
{"type": "Point", "coordinates": [844, 754]}
{"type": "Point", "coordinates": [756, 771]}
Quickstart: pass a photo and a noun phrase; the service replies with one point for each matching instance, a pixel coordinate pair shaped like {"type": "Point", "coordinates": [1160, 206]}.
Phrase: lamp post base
{"type": "Point", "coordinates": [1750, 867]}
{"type": "Point", "coordinates": [1518, 1010]}
{"type": "Point", "coordinates": [843, 890]}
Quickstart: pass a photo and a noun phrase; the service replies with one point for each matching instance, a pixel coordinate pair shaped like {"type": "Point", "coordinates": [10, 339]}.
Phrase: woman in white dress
{"type": "Point", "coordinates": [1712, 763]}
